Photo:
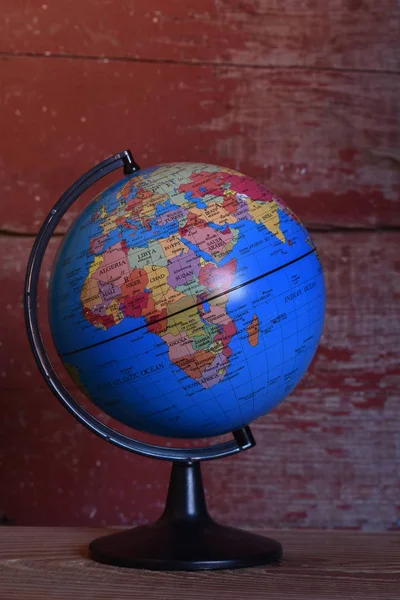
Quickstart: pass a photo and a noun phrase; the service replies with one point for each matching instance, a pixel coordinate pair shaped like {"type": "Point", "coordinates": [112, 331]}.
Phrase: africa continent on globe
{"type": "Point", "coordinates": [187, 300]}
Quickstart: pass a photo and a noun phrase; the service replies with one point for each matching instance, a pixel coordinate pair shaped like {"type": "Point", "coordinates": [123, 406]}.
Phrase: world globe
{"type": "Point", "coordinates": [186, 300]}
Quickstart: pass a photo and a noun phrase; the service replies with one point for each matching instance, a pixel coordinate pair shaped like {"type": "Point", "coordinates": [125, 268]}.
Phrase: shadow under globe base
{"type": "Point", "coordinates": [185, 538]}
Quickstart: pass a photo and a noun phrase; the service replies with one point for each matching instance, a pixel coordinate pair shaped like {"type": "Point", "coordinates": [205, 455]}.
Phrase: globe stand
{"type": "Point", "coordinates": [185, 537]}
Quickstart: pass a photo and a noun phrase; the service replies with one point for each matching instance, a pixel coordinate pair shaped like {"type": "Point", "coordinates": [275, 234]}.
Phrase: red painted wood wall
{"type": "Point", "coordinates": [303, 96]}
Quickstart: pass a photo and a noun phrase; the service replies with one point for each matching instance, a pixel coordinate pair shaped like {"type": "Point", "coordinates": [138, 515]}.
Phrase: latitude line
{"type": "Point", "coordinates": [219, 295]}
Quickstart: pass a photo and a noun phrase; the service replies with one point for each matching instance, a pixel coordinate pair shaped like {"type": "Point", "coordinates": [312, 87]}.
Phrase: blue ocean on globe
{"type": "Point", "coordinates": [187, 300]}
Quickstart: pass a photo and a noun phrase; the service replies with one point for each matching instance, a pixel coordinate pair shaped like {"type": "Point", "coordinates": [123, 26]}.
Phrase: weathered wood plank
{"type": "Point", "coordinates": [326, 142]}
{"type": "Point", "coordinates": [48, 562]}
{"type": "Point", "coordinates": [328, 457]}
{"type": "Point", "coordinates": [347, 34]}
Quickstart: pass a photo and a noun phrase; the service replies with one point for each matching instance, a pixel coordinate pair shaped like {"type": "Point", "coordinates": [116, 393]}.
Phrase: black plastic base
{"type": "Point", "coordinates": [184, 547]}
{"type": "Point", "coordinates": [185, 538]}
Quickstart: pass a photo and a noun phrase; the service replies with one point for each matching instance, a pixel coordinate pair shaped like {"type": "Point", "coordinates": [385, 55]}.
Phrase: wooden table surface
{"type": "Point", "coordinates": [53, 563]}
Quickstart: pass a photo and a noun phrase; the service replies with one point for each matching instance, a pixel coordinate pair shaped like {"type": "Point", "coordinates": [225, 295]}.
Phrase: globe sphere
{"type": "Point", "coordinates": [186, 300]}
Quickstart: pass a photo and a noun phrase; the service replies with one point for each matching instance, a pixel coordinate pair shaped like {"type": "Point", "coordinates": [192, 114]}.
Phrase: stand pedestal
{"type": "Point", "coordinates": [185, 538]}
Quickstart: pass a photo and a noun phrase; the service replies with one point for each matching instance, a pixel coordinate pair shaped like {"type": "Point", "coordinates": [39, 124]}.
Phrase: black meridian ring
{"type": "Point", "coordinates": [243, 438]}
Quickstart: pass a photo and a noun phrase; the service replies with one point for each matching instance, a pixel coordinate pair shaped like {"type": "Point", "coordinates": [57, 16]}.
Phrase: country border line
{"type": "Point", "coordinates": [233, 289]}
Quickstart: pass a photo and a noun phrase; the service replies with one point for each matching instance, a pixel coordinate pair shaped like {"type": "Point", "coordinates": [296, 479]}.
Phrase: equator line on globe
{"type": "Point", "coordinates": [187, 300]}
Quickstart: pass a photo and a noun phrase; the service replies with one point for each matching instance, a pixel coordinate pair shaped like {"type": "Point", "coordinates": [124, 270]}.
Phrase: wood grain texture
{"type": "Point", "coordinates": [358, 34]}
{"type": "Point", "coordinates": [327, 142]}
{"type": "Point", "coordinates": [37, 562]}
{"type": "Point", "coordinates": [327, 457]}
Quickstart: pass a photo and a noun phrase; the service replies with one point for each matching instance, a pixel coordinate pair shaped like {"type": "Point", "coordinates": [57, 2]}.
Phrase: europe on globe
{"type": "Point", "coordinates": [187, 300]}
